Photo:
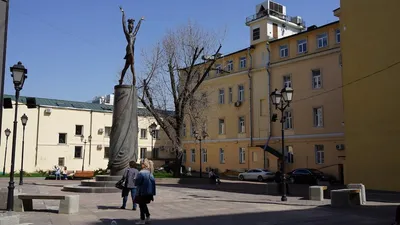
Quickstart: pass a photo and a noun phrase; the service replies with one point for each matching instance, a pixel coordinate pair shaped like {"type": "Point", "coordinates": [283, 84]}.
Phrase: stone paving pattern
{"type": "Point", "coordinates": [182, 205]}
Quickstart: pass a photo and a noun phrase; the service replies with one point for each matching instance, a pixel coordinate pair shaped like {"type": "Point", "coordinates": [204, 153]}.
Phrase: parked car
{"type": "Point", "coordinates": [308, 176]}
{"type": "Point", "coordinates": [256, 174]}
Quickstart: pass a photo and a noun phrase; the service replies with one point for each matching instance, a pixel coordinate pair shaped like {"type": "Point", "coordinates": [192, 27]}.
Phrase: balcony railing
{"type": "Point", "coordinates": [270, 12]}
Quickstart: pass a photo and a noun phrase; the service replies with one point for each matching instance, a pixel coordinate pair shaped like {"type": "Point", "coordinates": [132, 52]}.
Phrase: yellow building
{"type": "Point", "coordinates": [238, 116]}
{"type": "Point", "coordinates": [370, 49]}
{"type": "Point", "coordinates": [54, 135]}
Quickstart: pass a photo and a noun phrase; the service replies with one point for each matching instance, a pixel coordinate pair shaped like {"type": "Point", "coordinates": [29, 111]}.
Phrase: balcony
{"type": "Point", "coordinates": [270, 12]}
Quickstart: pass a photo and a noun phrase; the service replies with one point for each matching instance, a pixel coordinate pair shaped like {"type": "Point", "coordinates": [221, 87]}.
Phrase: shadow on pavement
{"type": "Point", "coordinates": [320, 215]}
{"type": "Point", "coordinates": [104, 207]}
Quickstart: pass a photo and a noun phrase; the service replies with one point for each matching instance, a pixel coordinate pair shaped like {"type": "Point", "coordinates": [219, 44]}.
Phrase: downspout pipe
{"type": "Point", "coordinates": [37, 135]}
{"type": "Point", "coordinates": [251, 101]}
{"type": "Point", "coordinates": [268, 100]}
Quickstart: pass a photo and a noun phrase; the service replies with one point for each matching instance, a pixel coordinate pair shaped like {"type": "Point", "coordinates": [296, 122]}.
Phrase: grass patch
{"type": "Point", "coordinates": [25, 175]}
{"type": "Point", "coordinates": [159, 174]}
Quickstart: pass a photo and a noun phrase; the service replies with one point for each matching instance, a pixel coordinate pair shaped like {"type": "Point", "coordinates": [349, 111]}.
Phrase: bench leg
{"type": "Point", "coordinates": [70, 205]}
{"type": "Point", "coordinates": [18, 204]}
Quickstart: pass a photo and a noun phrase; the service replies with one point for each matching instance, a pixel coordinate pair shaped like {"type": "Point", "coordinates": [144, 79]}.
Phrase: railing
{"type": "Point", "coordinates": [273, 13]}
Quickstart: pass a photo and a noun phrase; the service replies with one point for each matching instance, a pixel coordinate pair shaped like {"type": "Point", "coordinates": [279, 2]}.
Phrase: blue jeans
{"type": "Point", "coordinates": [125, 196]}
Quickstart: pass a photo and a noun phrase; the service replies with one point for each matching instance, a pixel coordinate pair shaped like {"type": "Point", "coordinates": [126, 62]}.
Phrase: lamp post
{"type": "Point", "coordinates": [24, 120]}
{"type": "Point", "coordinates": [152, 129]}
{"type": "Point", "coordinates": [281, 100]}
{"type": "Point", "coordinates": [7, 132]}
{"type": "Point", "coordinates": [84, 151]}
{"type": "Point", "coordinates": [90, 148]}
{"type": "Point", "coordinates": [201, 138]}
{"type": "Point", "coordinates": [19, 75]}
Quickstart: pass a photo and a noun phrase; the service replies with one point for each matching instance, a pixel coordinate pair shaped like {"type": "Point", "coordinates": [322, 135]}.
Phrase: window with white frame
{"type": "Point", "coordinates": [62, 138]}
{"type": "Point", "coordinates": [302, 46]}
{"type": "Point", "coordinates": [287, 81]}
{"type": "Point", "coordinates": [322, 40]}
{"type": "Point", "coordinates": [221, 96]}
{"type": "Point", "coordinates": [337, 35]}
{"type": "Point", "coordinates": [318, 117]}
{"type": "Point", "coordinates": [61, 161]}
{"type": "Point", "coordinates": [319, 154]}
{"type": "Point", "coordinates": [241, 93]}
{"type": "Point", "coordinates": [107, 131]}
{"type": "Point", "coordinates": [230, 65]}
{"type": "Point", "coordinates": [221, 126]}
{"type": "Point", "coordinates": [218, 69]}
{"type": "Point", "coordinates": [78, 152]}
{"type": "Point", "coordinates": [106, 152]}
{"type": "Point", "coordinates": [143, 133]}
{"type": "Point", "coordinates": [184, 156]}
{"type": "Point", "coordinates": [242, 62]}
{"type": "Point", "coordinates": [283, 51]}
{"type": "Point", "coordinates": [221, 156]}
{"type": "Point", "coordinates": [241, 124]}
{"type": "Point", "coordinates": [230, 95]}
{"type": "Point", "coordinates": [193, 155]}
{"type": "Point", "coordinates": [242, 155]}
{"type": "Point", "coordinates": [288, 120]}
{"type": "Point", "coordinates": [78, 130]}
{"type": "Point", "coordinates": [204, 155]}
{"type": "Point", "coordinates": [289, 154]}
{"type": "Point", "coordinates": [316, 79]}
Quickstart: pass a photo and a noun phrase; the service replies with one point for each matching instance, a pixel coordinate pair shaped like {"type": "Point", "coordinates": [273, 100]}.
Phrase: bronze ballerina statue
{"type": "Point", "coordinates": [130, 35]}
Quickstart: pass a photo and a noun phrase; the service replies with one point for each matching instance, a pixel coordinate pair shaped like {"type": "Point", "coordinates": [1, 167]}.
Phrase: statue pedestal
{"type": "Point", "coordinates": [124, 132]}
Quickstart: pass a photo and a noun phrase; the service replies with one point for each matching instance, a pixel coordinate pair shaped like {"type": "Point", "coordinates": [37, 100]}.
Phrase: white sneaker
{"type": "Point", "coordinates": [147, 220]}
{"type": "Point", "coordinates": [141, 222]}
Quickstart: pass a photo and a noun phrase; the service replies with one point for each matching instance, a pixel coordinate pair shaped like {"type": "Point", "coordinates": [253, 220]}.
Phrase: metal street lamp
{"type": "Point", "coordinates": [152, 129]}
{"type": "Point", "coordinates": [281, 100]}
{"type": "Point", "coordinates": [90, 148]}
{"type": "Point", "coordinates": [19, 75]}
{"type": "Point", "coordinates": [200, 138]}
{"type": "Point", "coordinates": [84, 151]}
{"type": "Point", "coordinates": [24, 120]}
{"type": "Point", "coordinates": [7, 132]}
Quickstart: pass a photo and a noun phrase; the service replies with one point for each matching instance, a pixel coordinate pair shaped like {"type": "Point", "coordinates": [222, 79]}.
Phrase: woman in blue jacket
{"type": "Point", "coordinates": [145, 190]}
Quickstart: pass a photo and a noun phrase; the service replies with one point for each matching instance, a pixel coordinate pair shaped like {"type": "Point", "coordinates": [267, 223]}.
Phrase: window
{"type": "Point", "coordinates": [287, 81]}
{"type": "Point", "coordinates": [107, 131]}
{"type": "Point", "coordinates": [254, 157]}
{"type": "Point", "coordinates": [221, 96]}
{"type": "Point", "coordinates": [322, 40]}
{"type": "Point", "coordinates": [218, 68]}
{"type": "Point", "coordinates": [242, 155]}
{"type": "Point", "coordinates": [319, 154]}
{"type": "Point", "coordinates": [241, 93]}
{"type": "Point", "coordinates": [256, 34]}
{"type": "Point", "coordinates": [61, 161]}
{"type": "Point", "coordinates": [283, 51]}
{"type": "Point", "coordinates": [184, 156]}
{"type": "Point", "coordinates": [78, 130]}
{"type": "Point", "coordinates": [106, 152]}
{"type": "Point", "coordinates": [242, 62]}
{"type": "Point", "coordinates": [241, 128]}
{"type": "Point", "coordinates": [289, 154]}
{"type": "Point", "coordinates": [302, 46]}
{"type": "Point", "coordinates": [143, 153]}
{"type": "Point", "coordinates": [78, 152]}
{"type": "Point", "coordinates": [318, 117]}
{"type": "Point", "coordinates": [230, 65]}
{"type": "Point", "coordinates": [204, 155]}
{"type": "Point", "coordinates": [230, 96]}
{"type": "Point", "coordinates": [221, 126]}
{"type": "Point", "coordinates": [184, 130]}
{"type": "Point", "coordinates": [221, 156]}
{"type": "Point", "coordinates": [143, 133]}
{"type": "Point", "coordinates": [288, 120]}
{"type": "Point", "coordinates": [316, 79]}
{"type": "Point", "coordinates": [62, 138]}
{"type": "Point", "coordinates": [337, 35]}
{"type": "Point", "coordinates": [193, 155]}
{"type": "Point", "coordinates": [157, 134]}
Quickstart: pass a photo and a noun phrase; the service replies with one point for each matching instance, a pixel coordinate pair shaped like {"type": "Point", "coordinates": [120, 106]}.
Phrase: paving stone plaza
{"type": "Point", "coordinates": [185, 205]}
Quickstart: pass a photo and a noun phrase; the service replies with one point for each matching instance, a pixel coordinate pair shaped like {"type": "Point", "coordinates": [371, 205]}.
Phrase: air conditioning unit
{"type": "Point", "coordinates": [101, 130]}
{"type": "Point", "coordinates": [99, 147]}
{"type": "Point", "coordinates": [238, 104]}
{"type": "Point", "coordinates": [340, 147]}
{"type": "Point", "coordinates": [297, 20]}
{"type": "Point", "coordinates": [47, 111]}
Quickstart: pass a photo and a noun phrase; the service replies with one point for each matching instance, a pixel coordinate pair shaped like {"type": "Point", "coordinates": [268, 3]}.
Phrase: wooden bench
{"type": "Point", "coordinates": [84, 175]}
{"type": "Point", "coordinates": [69, 204]}
{"type": "Point", "coordinates": [345, 197]}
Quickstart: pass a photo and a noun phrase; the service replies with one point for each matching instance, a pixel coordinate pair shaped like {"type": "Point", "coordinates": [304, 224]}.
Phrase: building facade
{"type": "Point", "coordinates": [370, 74]}
{"type": "Point", "coordinates": [3, 47]}
{"type": "Point", "coordinates": [282, 52]}
{"type": "Point", "coordinates": [57, 133]}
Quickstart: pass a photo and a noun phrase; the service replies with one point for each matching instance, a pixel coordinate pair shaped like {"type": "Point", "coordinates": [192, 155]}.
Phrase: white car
{"type": "Point", "coordinates": [256, 174]}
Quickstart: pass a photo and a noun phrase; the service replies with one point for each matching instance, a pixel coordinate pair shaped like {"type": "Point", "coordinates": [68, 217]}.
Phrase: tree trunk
{"type": "Point", "coordinates": [178, 163]}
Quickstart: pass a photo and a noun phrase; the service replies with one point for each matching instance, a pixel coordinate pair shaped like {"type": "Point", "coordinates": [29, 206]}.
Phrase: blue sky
{"type": "Point", "coordinates": [74, 49]}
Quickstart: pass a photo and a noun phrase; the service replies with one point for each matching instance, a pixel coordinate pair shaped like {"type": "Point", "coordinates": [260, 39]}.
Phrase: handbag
{"type": "Point", "coordinates": [122, 183]}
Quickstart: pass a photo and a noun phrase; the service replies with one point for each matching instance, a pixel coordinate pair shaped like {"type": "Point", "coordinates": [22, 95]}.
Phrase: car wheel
{"type": "Point", "coordinates": [260, 178]}
{"type": "Point", "coordinates": [241, 177]}
{"type": "Point", "coordinates": [291, 180]}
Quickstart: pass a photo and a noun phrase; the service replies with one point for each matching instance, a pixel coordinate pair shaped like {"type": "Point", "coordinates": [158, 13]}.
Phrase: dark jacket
{"type": "Point", "coordinates": [129, 177]}
{"type": "Point", "coordinates": [145, 184]}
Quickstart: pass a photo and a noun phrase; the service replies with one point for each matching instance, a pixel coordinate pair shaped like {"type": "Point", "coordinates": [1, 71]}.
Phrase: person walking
{"type": "Point", "coordinates": [146, 190]}
{"type": "Point", "coordinates": [129, 187]}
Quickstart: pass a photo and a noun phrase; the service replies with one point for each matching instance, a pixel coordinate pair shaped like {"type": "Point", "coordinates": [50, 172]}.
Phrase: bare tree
{"type": "Point", "coordinates": [175, 69]}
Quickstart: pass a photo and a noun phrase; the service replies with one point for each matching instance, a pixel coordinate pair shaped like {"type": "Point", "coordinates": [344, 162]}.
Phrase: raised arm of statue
{"type": "Point", "coordinates": [138, 27]}
{"type": "Point", "coordinates": [123, 21]}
